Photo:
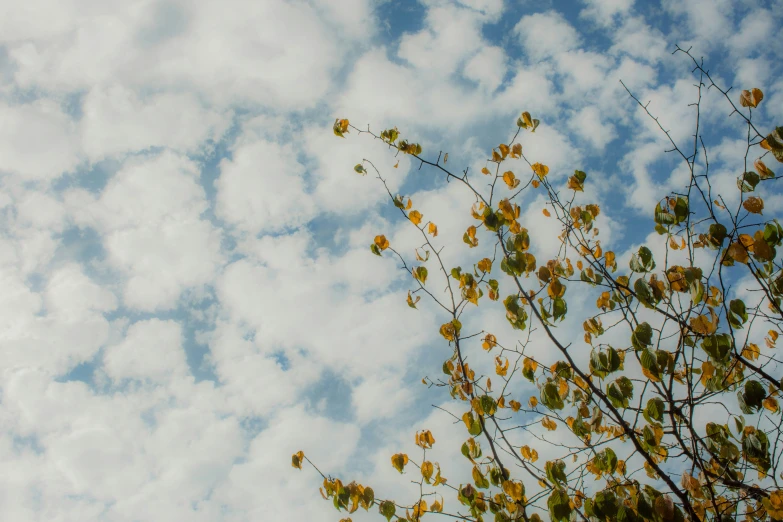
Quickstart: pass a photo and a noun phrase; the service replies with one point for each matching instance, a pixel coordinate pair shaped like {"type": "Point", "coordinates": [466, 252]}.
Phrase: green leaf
{"type": "Point", "coordinates": [550, 397]}
{"type": "Point", "coordinates": [737, 315]}
{"type": "Point", "coordinates": [488, 404]}
{"type": "Point", "coordinates": [642, 336]}
{"type": "Point", "coordinates": [387, 509]}
{"type": "Point", "coordinates": [555, 471]}
{"type": "Point", "coordinates": [642, 261]}
{"type": "Point", "coordinates": [559, 308]}
{"type": "Point", "coordinates": [654, 410]}
{"type": "Point", "coordinates": [754, 394]}
{"type": "Point", "coordinates": [748, 181]}
{"type": "Point", "coordinates": [375, 250]}
{"type": "Point", "coordinates": [718, 234]}
{"type": "Point", "coordinates": [559, 508]}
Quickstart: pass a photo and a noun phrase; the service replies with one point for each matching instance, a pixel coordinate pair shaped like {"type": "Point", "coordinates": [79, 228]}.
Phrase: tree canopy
{"type": "Point", "coordinates": [669, 401]}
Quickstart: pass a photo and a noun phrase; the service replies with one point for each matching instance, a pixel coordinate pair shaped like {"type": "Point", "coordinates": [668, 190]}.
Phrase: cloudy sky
{"type": "Point", "coordinates": [188, 293]}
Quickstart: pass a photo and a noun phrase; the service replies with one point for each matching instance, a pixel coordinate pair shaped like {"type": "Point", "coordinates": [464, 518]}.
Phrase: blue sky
{"type": "Point", "coordinates": [188, 293]}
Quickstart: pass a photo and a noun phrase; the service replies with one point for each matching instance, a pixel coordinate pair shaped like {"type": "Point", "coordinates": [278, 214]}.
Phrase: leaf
{"type": "Point", "coordinates": [420, 274]}
{"type": "Point", "coordinates": [432, 229]}
{"type": "Point", "coordinates": [577, 181]}
{"type": "Point", "coordinates": [514, 489]}
{"type": "Point", "coordinates": [446, 158]}
{"type": "Point", "coordinates": [504, 150]}
{"type": "Point", "coordinates": [450, 331]}
{"type": "Point", "coordinates": [415, 216]}
{"type": "Point", "coordinates": [540, 170]}
{"type": "Point", "coordinates": [546, 213]}
{"type": "Point", "coordinates": [529, 454]}
{"type": "Point", "coordinates": [738, 252]}
{"type": "Point", "coordinates": [763, 170]}
{"type": "Point", "coordinates": [774, 143]}
{"type": "Point", "coordinates": [485, 171]}
{"type": "Point", "coordinates": [485, 265]}
{"type": "Point", "coordinates": [399, 461]}
{"type": "Point", "coordinates": [489, 342]}
{"type": "Point", "coordinates": [340, 127]}
{"type": "Point", "coordinates": [529, 369]}
{"type": "Point", "coordinates": [549, 424]}
{"type": "Point", "coordinates": [754, 205]}
{"type": "Point", "coordinates": [387, 509]}
{"type": "Point", "coordinates": [751, 352]}
{"type": "Point", "coordinates": [426, 470]}
{"type": "Point", "coordinates": [751, 98]}
{"type": "Point", "coordinates": [410, 300]}
{"type": "Point", "coordinates": [510, 180]}
{"type": "Point", "coordinates": [381, 242]}
{"type": "Point", "coordinates": [359, 169]}
{"type": "Point", "coordinates": [469, 237]}
{"type": "Point", "coordinates": [516, 150]}
{"type": "Point", "coordinates": [296, 459]}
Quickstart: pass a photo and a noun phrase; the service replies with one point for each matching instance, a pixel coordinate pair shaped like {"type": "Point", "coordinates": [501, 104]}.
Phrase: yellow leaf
{"type": "Point", "coordinates": [513, 490]}
{"type": "Point", "coordinates": [514, 405]}
{"type": "Point", "coordinates": [409, 205]}
{"type": "Point", "coordinates": [399, 461]}
{"type": "Point", "coordinates": [510, 179]}
{"type": "Point", "coordinates": [296, 459]}
{"type": "Point", "coordinates": [738, 252]}
{"type": "Point", "coordinates": [533, 401]}
{"type": "Point", "coordinates": [485, 265]}
{"type": "Point", "coordinates": [504, 150]}
{"type": "Point", "coordinates": [396, 165]}
{"type": "Point", "coordinates": [751, 98]}
{"type": "Point", "coordinates": [425, 439]}
{"type": "Point", "coordinates": [426, 470]}
{"type": "Point", "coordinates": [446, 158]}
{"type": "Point", "coordinates": [535, 183]}
{"type": "Point", "coordinates": [754, 205]}
{"type": "Point", "coordinates": [489, 342]}
{"type": "Point", "coordinates": [541, 170]}
{"type": "Point", "coordinates": [763, 170]}
{"type": "Point", "coordinates": [516, 150]}
{"type": "Point", "coordinates": [485, 171]}
{"type": "Point", "coordinates": [529, 454]}
{"type": "Point", "coordinates": [432, 229]}
{"type": "Point", "coordinates": [751, 352]}
{"type": "Point", "coordinates": [381, 242]}
{"type": "Point", "coordinates": [340, 127]}
{"type": "Point", "coordinates": [771, 403]}
{"type": "Point", "coordinates": [500, 367]}
{"type": "Point", "coordinates": [546, 213]}
{"type": "Point", "coordinates": [470, 237]}
{"type": "Point", "coordinates": [415, 216]}
{"type": "Point", "coordinates": [437, 506]}
{"type": "Point", "coordinates": [549, 424]}
{"type": "Point", "coordinates": [410, 300]}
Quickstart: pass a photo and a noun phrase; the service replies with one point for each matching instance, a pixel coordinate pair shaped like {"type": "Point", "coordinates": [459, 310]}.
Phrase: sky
{"type": "Point", "coordinates": [188, 293]}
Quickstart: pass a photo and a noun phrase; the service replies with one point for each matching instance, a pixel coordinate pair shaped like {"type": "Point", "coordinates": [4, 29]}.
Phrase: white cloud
{"type": "Point", "coordinates": [544, 35]}
{"type": "Point", "coordinates": [116, 121]}
{"type": "Point", "coordinates": [603, 11]}
{"type": "Point", "coordinates": [37, 141]}
{"type": "Point", "coordinates": [261, 189]}
{"type": "Point", "coordinates": [152, 350]}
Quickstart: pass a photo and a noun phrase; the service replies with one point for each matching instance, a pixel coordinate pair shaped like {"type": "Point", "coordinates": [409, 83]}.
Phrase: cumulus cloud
{"type": "Point", "coordinates": [189, 296]}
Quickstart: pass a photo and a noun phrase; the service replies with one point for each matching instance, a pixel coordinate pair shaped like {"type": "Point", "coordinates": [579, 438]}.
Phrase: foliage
{"type": "Point", "coordinates": [673, 415]}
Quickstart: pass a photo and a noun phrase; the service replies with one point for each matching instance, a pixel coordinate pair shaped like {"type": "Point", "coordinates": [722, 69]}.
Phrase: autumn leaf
{"type": "Point", "coordinates": [549, 424]}
{"type": "Point", "coordinates": [415, 217]}
{"type": "Point", "coordinates": [296, 459]}
{"type": "Point", "coordinates": [540, 169]}
{"type": "Point", "coordinates": [340, 127]}
{"type": "Point", "coordinates": [485, 171]}
{"type": "Point", "coordinates": [546, 213]}
{"type": "Point", "coordinates": [510, 179]}
{"type": "Point", "coordinates": [504, 150]}
{"type": "Point", "coordinates": [751, 98]}
{"type": "Point", "coordinates": [490, 341]}
{"type": "Point", "coordinates": [432, 229]}
{"type": "Point", "coordinates": [516, 151]}
{"type": "Point", "coordinates": [359, 169]}
{"type": "Point", "coordinates": [381, 242]}
{"type": "Point", "coordinates": [763, 170]}
{"type": "Point", "coordinates": [754, 205]}
{"type": "Point", "coordinates": [399, 461]}
{"type": "Point", "coordinates": [411, 302]}
{"type": "Point", "coordinates": [470, 237]}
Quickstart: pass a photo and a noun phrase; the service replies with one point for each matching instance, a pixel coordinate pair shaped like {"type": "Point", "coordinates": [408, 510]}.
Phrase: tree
{"type": "Point", "coordinates": [670, 405]}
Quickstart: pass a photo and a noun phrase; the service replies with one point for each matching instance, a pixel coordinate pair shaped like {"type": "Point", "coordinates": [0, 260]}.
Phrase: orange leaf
{"type": "Point", "coordinates": [415, 216]}
{"type": "Point", "coordinates": [540, 169]}
{"type": "Point", "coordinates": [546, 213]}
{"type": "Point", "coordinates": [432, 229]}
